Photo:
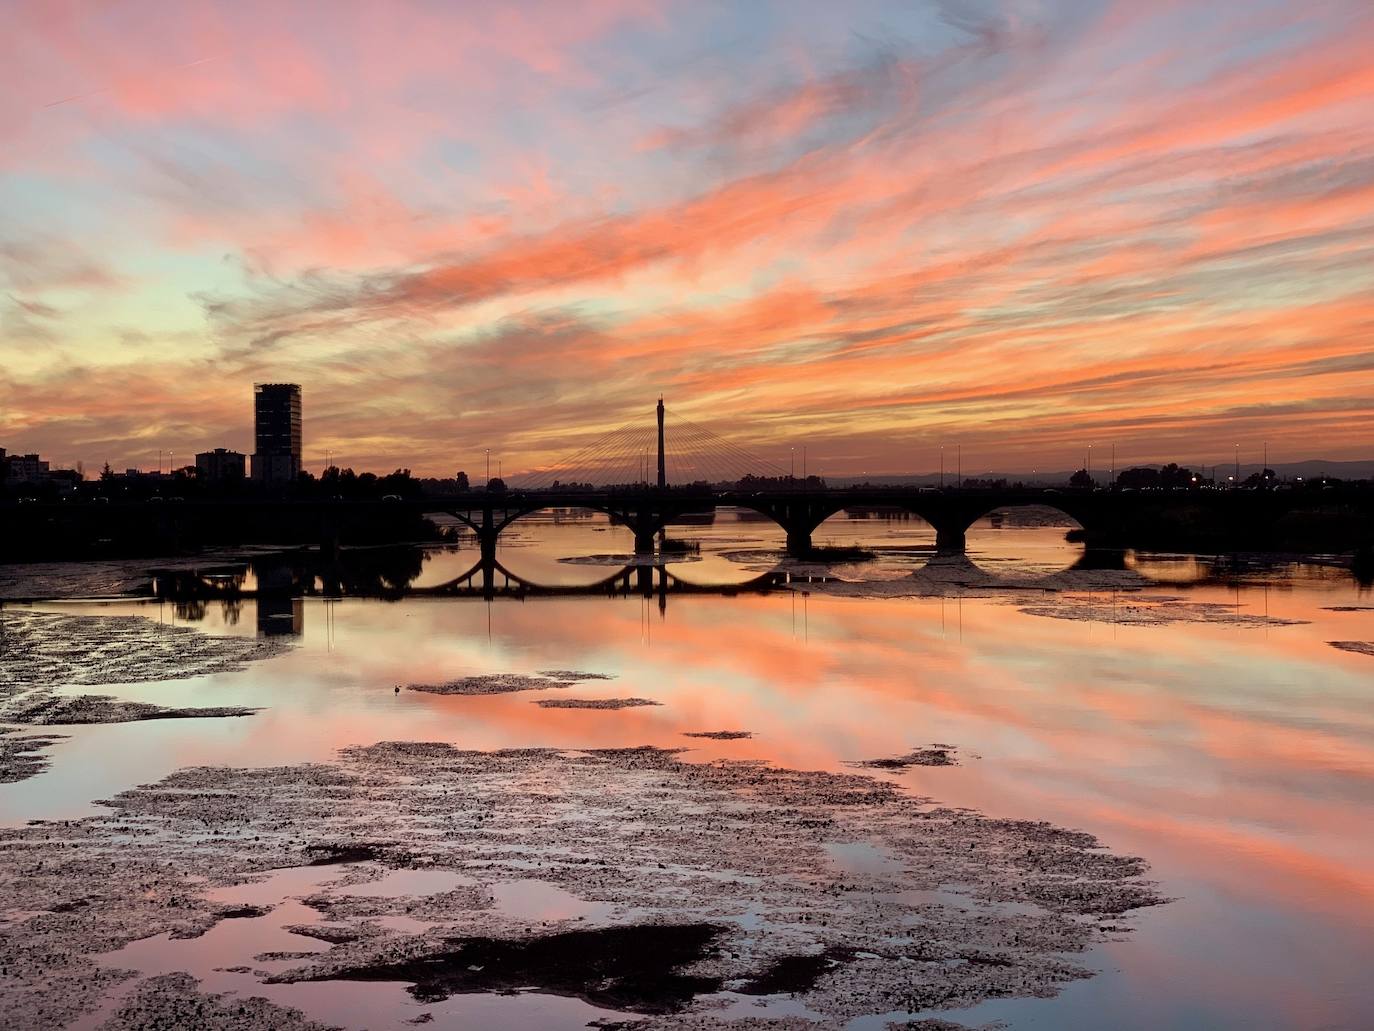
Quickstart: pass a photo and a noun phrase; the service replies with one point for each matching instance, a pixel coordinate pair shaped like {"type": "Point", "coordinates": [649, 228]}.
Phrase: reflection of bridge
{"type": "Point", "coordinates": [488, 578]}
{"type": "Point", "coordinates": [283, 580]}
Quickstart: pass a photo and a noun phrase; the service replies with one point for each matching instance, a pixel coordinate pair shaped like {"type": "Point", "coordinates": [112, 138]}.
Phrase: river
{"type": "Point", "coordinates": [1184, 710]}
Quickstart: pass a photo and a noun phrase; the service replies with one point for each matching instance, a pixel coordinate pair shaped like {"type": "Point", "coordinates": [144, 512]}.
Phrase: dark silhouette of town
{"type": "Point", "coordinates": [642, 483]}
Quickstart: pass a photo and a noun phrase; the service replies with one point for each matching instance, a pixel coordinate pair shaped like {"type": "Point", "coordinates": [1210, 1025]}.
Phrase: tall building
{"type": "Point", "coordinates": [219, 465]}
{"type": "Point", "coordinates": [276, 432]}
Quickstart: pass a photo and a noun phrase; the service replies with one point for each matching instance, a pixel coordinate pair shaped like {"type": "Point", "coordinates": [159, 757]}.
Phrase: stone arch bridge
{"type": "Point", "coordinates": [1107, 517]}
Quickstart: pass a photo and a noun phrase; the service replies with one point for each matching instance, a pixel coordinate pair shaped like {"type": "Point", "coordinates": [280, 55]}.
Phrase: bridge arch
{"type": "Point", "coordinates": [954, 513]}
{"type": "Point", "coordinates": [1048, 538]}
{"type": "Point", "coordinates": [798, 515]}
{"type": "Point", "coordinates": [896, 525]}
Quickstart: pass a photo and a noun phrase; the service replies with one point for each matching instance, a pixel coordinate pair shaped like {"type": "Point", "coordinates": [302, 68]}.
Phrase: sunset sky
{"type": "Point", "coordinates": [868, 228]}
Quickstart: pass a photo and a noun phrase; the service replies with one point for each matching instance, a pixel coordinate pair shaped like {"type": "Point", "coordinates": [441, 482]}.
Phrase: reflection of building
{"type": "Point", "coordinates": [276, 432]}
{"type": "Point", "coordinates": [280, 608]}
{"type": "Point", "coordinates": [280, 615]}
{"type": "Point", "coordinates": [219, 466]}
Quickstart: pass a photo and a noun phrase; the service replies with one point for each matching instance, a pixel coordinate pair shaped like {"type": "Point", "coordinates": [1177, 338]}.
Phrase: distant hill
{"type": "Point", "coordinates": [1307, 469]}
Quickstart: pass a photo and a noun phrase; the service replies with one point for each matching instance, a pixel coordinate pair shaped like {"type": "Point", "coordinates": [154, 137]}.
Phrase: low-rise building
{"type": "Point", "coordinates": [24, 468]}
{"type": "Point", "coordinates": [220, 466]}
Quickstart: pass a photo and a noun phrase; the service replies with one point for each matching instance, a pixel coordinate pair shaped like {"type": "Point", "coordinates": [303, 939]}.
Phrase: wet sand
{"type": "Point", "coordinates": [491, 683]}
{"type": "Point", "coordinates": [43, 708]}
{"type": "Point", "coordinates": [43, 652]}
{"type": "Point", "coordinates": [1149, 611]}
{"type": "Point", "coordinates": [928, 755]}
{"type": "Point", "coordinates": [173, 1001]}
{"type": "Point", "coordinates": [56, 650]}
{"type": "Point", "coordinates": [754, 883]}
{"type": "Point", "coordinates": [594, 703]}
{"type": "Point", "coordinates": [21, 755]}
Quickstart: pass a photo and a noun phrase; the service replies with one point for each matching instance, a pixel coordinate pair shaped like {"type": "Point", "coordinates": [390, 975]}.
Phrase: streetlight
{"type": "Point", "coordinates": [1236, 478]}
{"type": "Point", "coordinates": [942, 467]}
{"type": "Point", "coordinates": [489, 465]}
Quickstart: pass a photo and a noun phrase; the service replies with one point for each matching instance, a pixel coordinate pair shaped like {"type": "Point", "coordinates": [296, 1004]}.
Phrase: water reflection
{"type": "Point", "coordinates": [574, 552]}
{"type": "Point", "coordinates": [1237, 757]}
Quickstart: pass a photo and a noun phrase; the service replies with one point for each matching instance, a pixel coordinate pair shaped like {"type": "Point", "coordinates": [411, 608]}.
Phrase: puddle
{"type": "Point", "coordinates": [254, 939]}
{"type": "Point", "coordinates": [399, 883]}
{"type": "Point", "coordinates": [860, 857]}
{"type": "Point", "coordinates": [529, 899]}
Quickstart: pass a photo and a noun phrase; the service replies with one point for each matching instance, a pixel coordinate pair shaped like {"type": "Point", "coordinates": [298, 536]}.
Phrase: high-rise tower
{"type": "Point", "coordinates": [276, 432]}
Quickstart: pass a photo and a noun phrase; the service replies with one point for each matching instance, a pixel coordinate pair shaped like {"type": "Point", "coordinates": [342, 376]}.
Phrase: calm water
{"type": "Point", "coordinates": [1238, 759]}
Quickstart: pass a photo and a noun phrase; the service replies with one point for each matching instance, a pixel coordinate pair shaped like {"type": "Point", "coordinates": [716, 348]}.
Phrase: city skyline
{"type": "Point", "coordinates": [1021, 228]}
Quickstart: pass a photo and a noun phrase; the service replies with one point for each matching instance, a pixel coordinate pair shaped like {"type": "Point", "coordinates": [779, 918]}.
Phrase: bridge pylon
{"type": "Point", "coordinates": [662, 465]}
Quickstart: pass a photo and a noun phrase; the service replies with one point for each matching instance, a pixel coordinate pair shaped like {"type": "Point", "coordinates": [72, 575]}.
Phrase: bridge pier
{"type": "Point", "coordinates": [799, 515]}
{"type": "Point", "coordinates": [950, 540]}
{"type": "Point", "coordinates": [329, 539]}
{"type": "Point", "coordinates": [486, 537]}
{"type": "Point", "coordinates": [644, 541]}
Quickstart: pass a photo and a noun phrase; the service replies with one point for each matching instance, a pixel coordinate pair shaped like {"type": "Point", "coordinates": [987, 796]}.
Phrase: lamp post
{"type": "Point", "coordinates": [942, 467]}
{"type": "Point", "coordinates": [488, 465]}
{"type": "Point", "coordinates": [1236, 479]}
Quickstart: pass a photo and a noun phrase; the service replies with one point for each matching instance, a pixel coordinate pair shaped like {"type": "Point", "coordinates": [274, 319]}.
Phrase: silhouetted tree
{"type": "Point", "coordinates": [1082, 478]}
{"type": "Point", "coordinates": [1166, 477]}
{"type": "Point", "coordinates": [460, 482]}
